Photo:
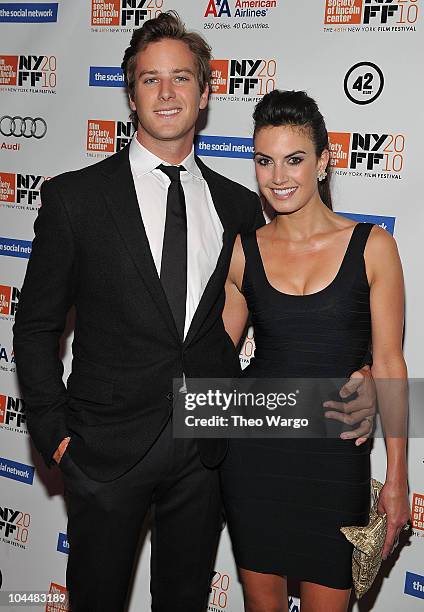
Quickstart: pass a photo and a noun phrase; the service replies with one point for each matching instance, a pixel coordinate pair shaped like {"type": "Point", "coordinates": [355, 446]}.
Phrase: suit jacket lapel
{"type": "Point", "coordinates": [122, 202]}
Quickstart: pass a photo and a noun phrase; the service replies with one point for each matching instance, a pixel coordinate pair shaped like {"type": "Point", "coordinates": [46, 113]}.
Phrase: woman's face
{"type": "Point", "coordinates": [287, 167]}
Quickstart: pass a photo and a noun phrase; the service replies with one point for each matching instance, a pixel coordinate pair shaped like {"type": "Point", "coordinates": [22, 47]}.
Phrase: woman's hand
{"type": "Point", "coordinates": [394, 502]}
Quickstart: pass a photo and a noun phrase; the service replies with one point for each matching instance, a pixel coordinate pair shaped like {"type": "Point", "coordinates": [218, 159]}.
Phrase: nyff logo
{"type": "Point", "coordinates": [125, 13]}
{"type": "Point", "coordinates": [23, 189]}
{"type": "Point", "coordinates": [243, 76]}
{"type": "Point", "coordinates": [368, 152]}
{"type": "Point", "coordinates": [22, 71]}
{"type": "Point", "coordinates": [220, 584]}
{"type": "Point", "coordinates": [14, 526]}
{"type": "Point", "coordinates": [12, 414]}
{"type": "Point", "coordinates": [371, 12]}
{"type": "Point", "coordinates": [9, 298]}
{"type": "Point", "coordinates": [104, 136]}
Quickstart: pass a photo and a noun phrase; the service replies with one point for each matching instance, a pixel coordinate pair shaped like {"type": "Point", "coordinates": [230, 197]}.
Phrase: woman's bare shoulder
{"type": "Point", "coordinates": [380, 242]}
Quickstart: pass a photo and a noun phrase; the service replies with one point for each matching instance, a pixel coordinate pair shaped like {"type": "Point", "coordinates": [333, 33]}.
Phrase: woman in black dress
{"type": "Point", "coordinates": [320, 289]}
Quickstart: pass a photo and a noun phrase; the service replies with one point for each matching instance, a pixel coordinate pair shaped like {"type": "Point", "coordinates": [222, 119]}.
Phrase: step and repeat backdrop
{"type": "Point", "coordinates": [63, 106]}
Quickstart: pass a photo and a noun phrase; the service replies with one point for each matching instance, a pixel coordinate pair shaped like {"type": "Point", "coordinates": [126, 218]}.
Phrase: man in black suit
{"type": "Point", "coordinates": [140, 244]}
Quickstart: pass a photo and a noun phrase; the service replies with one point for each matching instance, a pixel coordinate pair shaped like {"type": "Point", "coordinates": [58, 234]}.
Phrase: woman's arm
{"type": "Point", "coordinates": [384, 271]}
{"type": "Point", "coordinates": [235, 310]}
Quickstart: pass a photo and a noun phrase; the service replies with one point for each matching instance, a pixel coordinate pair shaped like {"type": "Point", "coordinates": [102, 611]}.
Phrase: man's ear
{"type": "Point", "coordinates": [131, 103]}
{"type": "Point", "coordinates": [204, 98]}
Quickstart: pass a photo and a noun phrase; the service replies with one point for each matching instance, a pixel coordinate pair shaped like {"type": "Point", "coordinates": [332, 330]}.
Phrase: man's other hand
{"type": "Point", "coordinates": [59, 452]}
{"type": "Point", "coordinates": [360, 410]}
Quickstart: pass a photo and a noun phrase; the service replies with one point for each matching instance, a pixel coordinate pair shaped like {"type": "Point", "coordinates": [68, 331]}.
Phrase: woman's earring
{"type": "Point", "coordinates": [322, 175]}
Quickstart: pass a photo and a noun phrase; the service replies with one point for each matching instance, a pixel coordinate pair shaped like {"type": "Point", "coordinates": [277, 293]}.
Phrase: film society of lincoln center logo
{"type": "Point", "coordinates": [371, 15]}
{"type": "Point", "coordinates": [117, 14]}
{"type": "Point", "coordinates": [58, 598]}
{"type": "Point", "coordinates": [12, 414]}
{"type": "Point", "coordinates": [14, 527]}
{"type": "Point", "coordinates": [378, 156]}
{"type": "Point", "coordinates": [20, 191]}
{"type": "Point", "coordinates": [105, 136]}
{"type": "Point", "coordinates": [28, 73]}
{"type": "Point", "coordinates": [242, 79]}
{"type": "Point", "coordinates": [9, 298]}
{"type": "Point", "coordinates": [417, 513]}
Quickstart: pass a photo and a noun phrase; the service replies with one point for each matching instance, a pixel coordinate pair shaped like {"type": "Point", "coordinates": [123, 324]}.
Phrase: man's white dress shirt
{"type": "Point", "coordinates": [204, 227]}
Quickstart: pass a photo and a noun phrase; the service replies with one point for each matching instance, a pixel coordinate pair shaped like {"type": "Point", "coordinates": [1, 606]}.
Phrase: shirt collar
{"type": "Point", "coordinates": [144, 161]}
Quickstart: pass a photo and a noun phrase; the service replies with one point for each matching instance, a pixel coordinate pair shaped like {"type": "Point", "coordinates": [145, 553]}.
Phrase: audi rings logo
{"type": "Point", "coordinates": [23, 126]}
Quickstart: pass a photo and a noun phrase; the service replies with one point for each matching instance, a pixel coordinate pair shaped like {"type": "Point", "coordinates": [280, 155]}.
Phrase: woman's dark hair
{"type": "Point", "coordinates": [296, 108]}
{"type": "Point", "coordinates": [167, 25]}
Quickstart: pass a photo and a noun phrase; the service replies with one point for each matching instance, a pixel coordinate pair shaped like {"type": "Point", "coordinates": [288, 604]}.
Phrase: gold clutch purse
{"type": "Point", "coordinates": [368, 544]}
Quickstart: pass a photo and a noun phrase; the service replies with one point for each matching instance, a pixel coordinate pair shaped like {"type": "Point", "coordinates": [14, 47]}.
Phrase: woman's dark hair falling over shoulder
{"type": "Point", "coordinates": [297, 109]}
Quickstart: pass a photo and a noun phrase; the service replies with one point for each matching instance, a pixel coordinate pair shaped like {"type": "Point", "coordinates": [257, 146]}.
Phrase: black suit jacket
{"type": "Point", "coordinates": [91, 250]}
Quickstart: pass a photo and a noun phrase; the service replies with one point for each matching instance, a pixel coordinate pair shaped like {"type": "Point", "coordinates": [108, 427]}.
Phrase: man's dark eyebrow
{"type": "Point", "coordinates": [144, 72]}
{"type": "Point", "coordinates": [177, 70]}
{"type": "Point", "coordinates": [156, 72]}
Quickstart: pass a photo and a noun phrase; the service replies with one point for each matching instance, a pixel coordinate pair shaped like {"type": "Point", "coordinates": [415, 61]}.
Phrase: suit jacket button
{"type": "Point", "coordinates": [170, 396]}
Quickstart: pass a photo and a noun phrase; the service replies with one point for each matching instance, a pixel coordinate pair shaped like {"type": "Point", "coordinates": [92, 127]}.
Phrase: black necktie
{"type": "Point", "coordinates": [173, 271]}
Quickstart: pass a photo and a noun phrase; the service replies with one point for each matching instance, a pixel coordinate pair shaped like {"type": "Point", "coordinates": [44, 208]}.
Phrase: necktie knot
{"type": "Point", "coordinates": [172, 172]}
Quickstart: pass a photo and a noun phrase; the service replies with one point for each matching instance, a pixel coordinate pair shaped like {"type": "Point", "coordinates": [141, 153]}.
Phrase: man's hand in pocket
{"type": "Point", "coordinates": [59, 452]}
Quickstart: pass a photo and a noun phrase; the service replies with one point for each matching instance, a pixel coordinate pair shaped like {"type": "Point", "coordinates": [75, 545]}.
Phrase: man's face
{"type": "Point", "coordinates": [166, 97]}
